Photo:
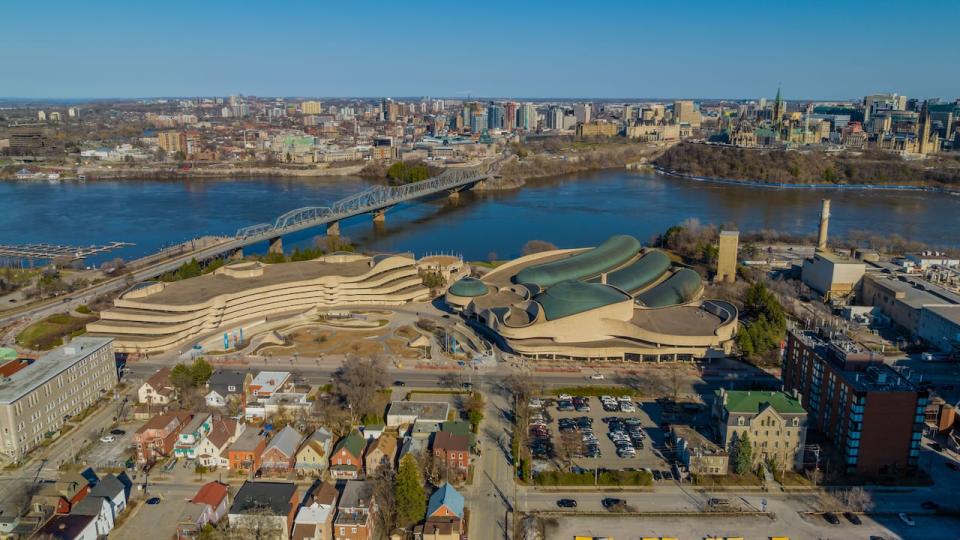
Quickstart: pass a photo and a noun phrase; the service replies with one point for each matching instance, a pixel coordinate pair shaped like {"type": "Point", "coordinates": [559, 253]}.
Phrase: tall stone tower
{"type": "Point", "coordinates": [778, 111]}
{"type": "Point", "coordinates": [727, 257]}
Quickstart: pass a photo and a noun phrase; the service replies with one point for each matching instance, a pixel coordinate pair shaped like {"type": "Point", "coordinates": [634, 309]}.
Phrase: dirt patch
{"type": "Point", "coordinates": [314, 342]}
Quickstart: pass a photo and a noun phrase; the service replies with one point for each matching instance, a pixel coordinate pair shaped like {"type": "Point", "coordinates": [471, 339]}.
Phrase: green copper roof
{"type": "Point", "coordinates": [468, 286]}
{"type": "Point", "coordinates": [354, 444]}
{"type": "Point", "coordinates": [610, 254]}
{"type": "Point", "coordinates": [572, 297]}
{"type": "Point", "coordinates": [752, 401]}
{"type": "Point", "coordinates": [641, 273]}
{"type": "Point", "coordinates": [679, 288]}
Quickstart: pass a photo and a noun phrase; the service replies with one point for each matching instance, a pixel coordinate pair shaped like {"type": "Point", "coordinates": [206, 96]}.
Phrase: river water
{"type": "Point", "coordinates": [569, 211]}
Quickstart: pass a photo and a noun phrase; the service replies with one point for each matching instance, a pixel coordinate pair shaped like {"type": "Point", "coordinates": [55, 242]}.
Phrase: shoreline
{"type": "Point", "coordinates": [764, 184]}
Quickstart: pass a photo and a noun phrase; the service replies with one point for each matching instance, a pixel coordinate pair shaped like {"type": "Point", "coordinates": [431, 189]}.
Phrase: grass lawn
{"type": "Point", "coordinates": [48, 333]}
{"type": "Point", "coordinates": [608, 478]}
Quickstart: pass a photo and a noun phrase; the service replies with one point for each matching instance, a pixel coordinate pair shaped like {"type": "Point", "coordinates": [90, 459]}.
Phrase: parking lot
{"type": "Point", "coordinates": [111, 453]}
{"type": "Point", "coordinates": [629, 423]}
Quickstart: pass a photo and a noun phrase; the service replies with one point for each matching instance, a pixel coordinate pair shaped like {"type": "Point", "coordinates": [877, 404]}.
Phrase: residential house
{"type": "Point", "coordinates": [268, 506]}
{"type": "Point", "coordinates": [116, 490]}
{"type": "Point", "coordinates": [355, 512]}
{"type": "Point", "coordinates": [314, 521]}
{"type": "Point", "coordinates": [157, 390]}
{"type": "Point", "coordinates": [346, 461]}
{"type": "Point", "coordinates": [158, 436]}
{"type": "Point", "coordinates": [100, 509]}
{"type": "Point", "coordinates": [281, 451]}
{"type": "Point", "coordinates": [209, 505]}
{"type": "Point", "coordinates": [453, 450]}
{"type": "Point", "coordinates": [225, 386]}
{"type": "Point", "coordinates": [58, 496]}
{"type": "Point", "coordinates": [245, 453]}
{"type": "Point", "coordinates": [70, 527]}
{"type": "Point", "coordinates": [266, 383]}
{"type": "Point", "coordinates": [212, 450]}
{"type": "Point", "coordinates": [444, 516]}
{"type": "Point", "coordinates": [380, 452]}
{"type": "Point", "coordinates": [314, 456]}
{"type": "Point", "coordinates": [373, 431]}
{"type": "Point", "coordinates": [191, 435]}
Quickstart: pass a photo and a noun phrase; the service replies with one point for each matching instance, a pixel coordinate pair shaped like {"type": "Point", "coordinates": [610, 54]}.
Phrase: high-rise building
{"type": "Point", "coordinates": [582, 112]}
{"type": "Point", "coordinates": [311, 107]}
{"type": "Point", "coordinates": [495, 116]}
{"type": "Point", "coordinates": [527, 117]}
{"type": "Point", "coordinates": [727, 257]}
{"type": "Point", "coordinates": [171, 141]}
{"type": "Point", "coordinates": [628, 113]}
{"type": "Point", "coordinates": [478, 121]}
{"type": "Point", "coordinates": [685, 113]}
{"type": "Point", "coordinates": [868, 412]}
{"type": "Point", "coordinates": [555, 117]}
{"type": "Point", "coordinates": [510, 115]}
{"type": "Point", "coordinates": [73, 112]}
{"type": "Point", "coordinates": [41, 116]}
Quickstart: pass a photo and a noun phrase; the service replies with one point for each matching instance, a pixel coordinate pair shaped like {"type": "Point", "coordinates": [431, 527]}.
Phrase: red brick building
{"type": "Point", "coordinates": [867, 411]}
{"type": "Point", "coordinates": [453, 449]}
{"type": "Point", "coordinates": [158, 436]}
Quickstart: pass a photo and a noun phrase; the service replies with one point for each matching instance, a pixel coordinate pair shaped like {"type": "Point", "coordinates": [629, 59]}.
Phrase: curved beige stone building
{"type": "Point", "coordinates": [615, 301]}
{"type": "Point", "coordinates": [157, 316]}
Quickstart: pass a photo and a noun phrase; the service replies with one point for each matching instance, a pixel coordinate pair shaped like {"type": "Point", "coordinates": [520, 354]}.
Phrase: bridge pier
{"type": "Point", "coordinates": [454, 196]}
{"type": "Point", "coordinates": [333, 228]}
{"type": "Point", "coordinates": [276, 245]}
{"type": "Point", "coordinates": [380, 216]}
{"type": "Point", "coordinates": [237, 254]}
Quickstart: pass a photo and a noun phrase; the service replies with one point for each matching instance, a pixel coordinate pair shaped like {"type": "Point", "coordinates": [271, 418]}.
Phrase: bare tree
{"type": "Point", "coordinates": [855, 499]}
{"type": "Point", "coordinates": [258, 524]}
{"type": "Point", "coordinates": [337, 419]}
{"type": "Point", "coordinates": [357, 383]}
{"type": "Point", "coordinates": [537, 246]}
{"type": "Point", "coordinates": [569, 446]}
{"type": "Point", "coordinates": [384, 493]}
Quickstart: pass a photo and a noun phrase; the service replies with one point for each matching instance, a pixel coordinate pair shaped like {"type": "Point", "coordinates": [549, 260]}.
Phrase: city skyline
{"type": "Point", "coordinates": [614, 50]}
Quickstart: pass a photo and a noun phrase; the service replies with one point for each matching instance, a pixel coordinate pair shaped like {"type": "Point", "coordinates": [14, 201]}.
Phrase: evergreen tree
{"type": "Point", "coordinates": [742, 455]}
{"type": "Point", "coordinates": [411, 499]}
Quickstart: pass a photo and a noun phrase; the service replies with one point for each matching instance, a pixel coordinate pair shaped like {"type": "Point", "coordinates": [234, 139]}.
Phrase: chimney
{"type": "Point", "coordinates": [824, 223]}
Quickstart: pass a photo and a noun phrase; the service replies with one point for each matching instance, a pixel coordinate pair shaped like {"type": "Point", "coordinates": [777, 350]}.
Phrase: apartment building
{"type": "Point", "coordinates": [774, 422]}
{"type": "Point", "coordinates": [871, 415]}
{"type": "Point", "coordinates": [37, 400]}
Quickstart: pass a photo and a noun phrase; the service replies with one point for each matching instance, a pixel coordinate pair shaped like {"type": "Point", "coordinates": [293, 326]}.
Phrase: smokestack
{"type": "Point", "coordinates": [824, 223]}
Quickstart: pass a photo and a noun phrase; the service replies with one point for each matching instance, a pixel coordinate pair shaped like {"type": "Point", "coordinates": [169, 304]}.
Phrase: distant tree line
{"type": "Point", "coordinates": [807, 167]}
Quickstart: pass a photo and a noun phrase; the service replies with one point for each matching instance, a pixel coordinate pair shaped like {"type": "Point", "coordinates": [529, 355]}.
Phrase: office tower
{"type": "Point", "coordinates": [582, 112]}
{"type": "Point", "coordinates": [685, 113]}
{"type": "Point", "coordinates": [509, 115]}
{"type": "Point", "coordinates": [628, 114]}
{"type": "Point", "coordinates": [555, 117]}
{"type": "Point", "coordinates": [494, 116]}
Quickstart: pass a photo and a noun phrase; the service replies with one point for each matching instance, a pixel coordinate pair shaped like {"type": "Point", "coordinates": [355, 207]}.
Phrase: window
{"type": "Point", "coordinates": [740, 421]}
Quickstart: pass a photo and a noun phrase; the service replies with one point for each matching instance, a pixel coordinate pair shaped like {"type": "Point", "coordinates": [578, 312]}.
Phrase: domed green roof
{"type": "Point", "coordinates": [641, 273]}
{"type": "Point", "coordinates": [468, 286]}
{"type": "Point", "coordinates": [683, 286]}
{"type": "Point", "coordinates": [571, 297]}
{"type": "Point", "coordinates": [610, 254]}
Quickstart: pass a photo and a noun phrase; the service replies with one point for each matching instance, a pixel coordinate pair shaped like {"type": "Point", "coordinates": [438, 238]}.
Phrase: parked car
{"type": "Point", "coordinates": [153, 500]}
{"type": "Point", "coordinates": [567, 503]}
{"type": "Point", "coordinates": [597, 376]}
{"type": "Point", "coordinates": [852, 518]}
{"type": "Point", "coordinates": [399, 383]}
{"type": "Point", "coordinates": [831, 518]}
{"type": "Point", "coordinates": [108, 439]}
{"type": "Point", "coordinates": [904, 517]}
{"type": "Point", "coordinates": [117, 432]}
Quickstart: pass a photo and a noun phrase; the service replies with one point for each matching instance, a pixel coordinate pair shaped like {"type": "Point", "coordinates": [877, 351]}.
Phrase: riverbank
{"type": "Point", "coordinates": [543, 160]}
{"type": "Point", "coordinates": [810, 168]}
{"type": "Point", "coordinates": [763, 184]}
{"type": "Point", "coordinates": [169, 173]}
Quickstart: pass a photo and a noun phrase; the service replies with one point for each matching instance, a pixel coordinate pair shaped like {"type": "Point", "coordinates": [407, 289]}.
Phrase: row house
{"type": "Point", "coordinates": [212, 450]}
{"type": "Point", "coordinates": [452, 449]}
{"type": "Point", "coordinates": [158, 436]}
{"type": "Point", "coordinates": [209, 505]}
{"type": "Point", "coordinates": [192, 434]}
{"type": "Point", "coordinates": [157, 390]}
{"type": "Point", "coordinates": [226, 386]}
{"type": "Point", "coordinates": [314, 456]}
{"type": "Point", "coordinates": [245, 453]}
{"type": "Point", "coordinates": [314, 520]}
{"type": "Point", "coordinates": [269, 507]}
{"type": "Point", "coordinates": [281, 452]}
{"type": "Point", "coordinates": [356, 511]}
{"type": "Point", "coordinates": [380, 453]}
{"type": "Point", "coordinates": [346, 461]}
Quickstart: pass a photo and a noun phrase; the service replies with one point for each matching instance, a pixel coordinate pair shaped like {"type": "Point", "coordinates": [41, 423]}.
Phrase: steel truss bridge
{"type": "Point", "coordinates": [374, 200]}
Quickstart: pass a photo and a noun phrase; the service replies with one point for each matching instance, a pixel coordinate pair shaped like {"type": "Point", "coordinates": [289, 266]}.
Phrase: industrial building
{"type": "Point", "coordinates": [832, 275]}
{"type": "Point", "coordinates": [869, 414]}
{"type": "Point", "coordinates": [611, 302]}
{"type": "Point", "coordinates": [157, 316]}
{"type": "Point", "coordinates": [38, 399]}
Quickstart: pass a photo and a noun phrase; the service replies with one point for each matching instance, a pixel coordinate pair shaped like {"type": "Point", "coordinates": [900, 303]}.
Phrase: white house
{"type": "Point", "coordinates": [211, 452]}
{"type": "Point", "coordinates": [115, 489]}
{"type": "Point", "coordinates": [100, 508]}
{"type": "Point", "coordinates": [157, 390]}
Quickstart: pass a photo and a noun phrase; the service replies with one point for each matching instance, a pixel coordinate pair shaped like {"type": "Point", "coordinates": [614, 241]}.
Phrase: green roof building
{"type": "Point", "coordinates": [775, 423]}
{"type": "Point", "coordinates": [572, 297]}
{"type": "Point", "coordinates": [614, 252]}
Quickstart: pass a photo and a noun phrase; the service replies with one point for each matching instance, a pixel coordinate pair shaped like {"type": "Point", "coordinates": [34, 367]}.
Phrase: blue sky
{"type": "Point", "coordinates": [816, 50]}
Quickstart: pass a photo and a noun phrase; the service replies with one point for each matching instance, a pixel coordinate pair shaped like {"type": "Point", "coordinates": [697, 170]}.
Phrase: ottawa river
{"type": "Point", "coordinates": [569, 211]}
